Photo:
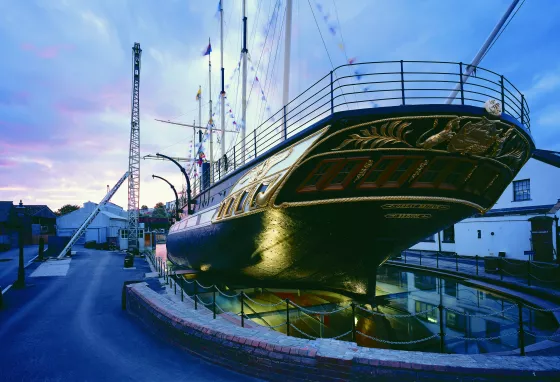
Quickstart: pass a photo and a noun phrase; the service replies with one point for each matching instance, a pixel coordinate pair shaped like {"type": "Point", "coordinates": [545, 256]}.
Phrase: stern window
{"type": "Point", "coordinates": [241, 204]}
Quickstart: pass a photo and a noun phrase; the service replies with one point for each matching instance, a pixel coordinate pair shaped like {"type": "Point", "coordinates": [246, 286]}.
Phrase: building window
{"type": "Point", "coordinates": [449, 234]}
{"type": "Point", "coordinates": [427, 312]}
{"type": "Point", "coordinates": [456, 321]}
{"type": "Point", "coordinates": [521, 190]}
{"type": "Point", "coordinates": [479, 233]}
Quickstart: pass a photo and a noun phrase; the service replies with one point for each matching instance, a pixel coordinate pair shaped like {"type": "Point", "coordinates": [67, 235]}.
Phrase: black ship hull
{"type": "Point", "coordinates": [327, 207]}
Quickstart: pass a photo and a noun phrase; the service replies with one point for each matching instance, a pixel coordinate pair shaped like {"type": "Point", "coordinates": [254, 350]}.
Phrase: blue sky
{"type": "Point", "coordinates": [65, 82]}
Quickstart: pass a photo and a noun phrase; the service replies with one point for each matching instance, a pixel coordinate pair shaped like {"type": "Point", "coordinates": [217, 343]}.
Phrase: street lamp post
{"type": "Point", "coordinates": [177, 210]}
{"type": "Point", "coordinates": [190, 211]}
{"type": "Point", "coordinates": [20, 283]}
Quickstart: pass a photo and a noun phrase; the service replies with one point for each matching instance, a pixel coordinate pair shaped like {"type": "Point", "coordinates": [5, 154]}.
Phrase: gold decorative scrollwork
{"type": "Point", "coordinates": [390, 133]}
{"type": "Point", "coordinates": [362, 172]}
{"type": "Point", "coordinates": [260, 170]}
{"type": "Point", "coordinates": [420, 206]}
{"type": "Point", "coordinates": [408, 216]}
{"type": "Point", "coordinates": [481, 137]}
{"type": "Point", "coordinates": [466, 135]}
{"type": "Point", "coordinates": [418, 170]}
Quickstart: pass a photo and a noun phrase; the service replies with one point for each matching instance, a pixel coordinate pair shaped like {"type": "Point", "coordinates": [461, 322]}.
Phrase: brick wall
{"type": "Point", "coordinates": [274, 356]}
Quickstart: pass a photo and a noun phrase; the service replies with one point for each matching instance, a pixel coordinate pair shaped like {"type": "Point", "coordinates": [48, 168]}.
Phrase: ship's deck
{"type": "Point", "coordinates": [372, 88]}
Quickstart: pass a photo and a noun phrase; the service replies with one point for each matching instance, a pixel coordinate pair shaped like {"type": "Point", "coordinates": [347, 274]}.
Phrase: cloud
{"type": "Point", "coordinates": [51, 51]}
{"type": "Point", "coordinates": [99, 23]}
{"type": "Point", "coordinates": [544, 83]}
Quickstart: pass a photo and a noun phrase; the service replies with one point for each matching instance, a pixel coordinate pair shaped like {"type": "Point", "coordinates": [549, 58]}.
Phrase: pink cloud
{"type": "Point", "coordinates": [47, 51]}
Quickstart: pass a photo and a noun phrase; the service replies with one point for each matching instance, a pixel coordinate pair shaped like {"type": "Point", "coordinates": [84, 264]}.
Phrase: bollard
{"type": "Point", "coordinates": [521, 330]}
{"type": "Point", "coordinates": [456, 262]}
{"type": "Point", "coordinates": [501, 268]}
{"type": "Point", "coordinates": [420, 258]}
{"type": "Point", "coordinates": [529, 272]}
{"type": "Point", "coordinates": [195, 295]}
{"type": "Point", "coordinates": [353, 321]}
{"type": "Point", "coordinates": [214, 302]}
{"type": "Point", "coordinates": [41, 248]}
{"type": "Point", "coordinates": [181, 286]}
{"type": "Point", "coordinates": [441, 333]}
{"type": "Point", "coordinates": [288, 317]}
{"type": "Point", "coordinates": [242, 311]}
{"type": "Point", "coordinates": [476, 257]}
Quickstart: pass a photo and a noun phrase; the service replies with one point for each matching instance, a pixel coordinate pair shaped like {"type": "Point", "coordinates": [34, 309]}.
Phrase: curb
{"type": "Point", "coordinates": [274, 356]}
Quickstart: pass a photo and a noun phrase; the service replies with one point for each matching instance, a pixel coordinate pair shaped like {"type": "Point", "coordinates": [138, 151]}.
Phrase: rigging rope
{"type": "Point", "coordinates": [325, 45]}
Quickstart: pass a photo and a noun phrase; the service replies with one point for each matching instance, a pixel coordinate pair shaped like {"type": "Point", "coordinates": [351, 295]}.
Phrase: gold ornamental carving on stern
{"type": "Point", "coordinates": [470, 136]}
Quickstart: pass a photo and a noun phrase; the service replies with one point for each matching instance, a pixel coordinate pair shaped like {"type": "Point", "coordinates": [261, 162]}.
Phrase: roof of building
{"type": "Point", "coordinates": [529, 210]}
{"type": "Point", "coordinates": [113, 216]}
{"type": "Point", "coordinates": [5, 208]}
{"type": "Point", "coordinates": [41, 210]}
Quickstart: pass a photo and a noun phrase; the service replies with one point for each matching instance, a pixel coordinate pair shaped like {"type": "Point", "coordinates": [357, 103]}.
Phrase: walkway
{"type": "Point", "coordinates": [471, 267]}
{"type": "Point", "coordinates": [72, 328]}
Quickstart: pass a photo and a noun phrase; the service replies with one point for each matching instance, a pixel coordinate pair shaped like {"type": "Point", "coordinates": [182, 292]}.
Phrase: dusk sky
{"type": "Point", "coordinates": [65, 88]}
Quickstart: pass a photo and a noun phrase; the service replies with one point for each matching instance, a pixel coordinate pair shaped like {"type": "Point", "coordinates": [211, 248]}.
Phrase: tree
{"type": "Point", "coordinates": [144, 207]}
{"type": "Point", "coordinates": [159, 213]}
{"type": "Point", "coordinates": [159, 205]}
{"type": "Point", "coordinates": [66, 209]}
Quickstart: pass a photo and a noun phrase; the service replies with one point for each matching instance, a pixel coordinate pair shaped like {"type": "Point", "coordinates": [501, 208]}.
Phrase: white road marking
{"type": "Point", "coordinates": [52, 268]}
{"type": "Point", "coordinates": [7, 288]}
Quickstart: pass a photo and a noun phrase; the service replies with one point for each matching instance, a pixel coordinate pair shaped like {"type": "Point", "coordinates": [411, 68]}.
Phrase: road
{"type": "Point", "coordinates": [72, 328]}
{"type": "Point", "coordinates": [9, 262]}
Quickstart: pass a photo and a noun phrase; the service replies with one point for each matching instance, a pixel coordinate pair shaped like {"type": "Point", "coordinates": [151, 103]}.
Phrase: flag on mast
{"type": "Point", "coordinates": [208, 50]}
{"type": "Point", "coordinates": [198, 94]}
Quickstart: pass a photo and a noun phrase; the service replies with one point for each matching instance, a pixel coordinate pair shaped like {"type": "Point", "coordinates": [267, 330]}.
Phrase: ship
{"type": "Point", "coordinates": [345, 177]}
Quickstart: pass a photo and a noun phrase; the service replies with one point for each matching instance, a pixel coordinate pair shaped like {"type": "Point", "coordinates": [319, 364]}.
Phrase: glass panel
{"type": "Point", "coordinates": [378, 170]}
{"type": "Point", "coordinates": [432, 172]}
{"type": "Point", "coordinates": [521, 190]}
{"type": "Point", "coordinates": [403, 167]}
{"type": "Point", "coordinates": [347, 169]}
{"type": "Point", "coordinates": [323, 168]}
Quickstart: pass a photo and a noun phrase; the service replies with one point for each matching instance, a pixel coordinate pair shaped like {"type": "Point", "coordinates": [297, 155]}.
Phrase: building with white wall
{"type": "Point", "coordinates": [523, 224]}
{"type": "Point", "coordinates": [105, 227]}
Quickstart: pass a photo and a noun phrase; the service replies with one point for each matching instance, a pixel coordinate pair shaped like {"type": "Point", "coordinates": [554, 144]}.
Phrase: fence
{"type": "Point", "coordinates": [371, 84]}
{"type": "Point", "coordinates": [529, 272]}
{"type": "Point", "coordinates": [357, 310]}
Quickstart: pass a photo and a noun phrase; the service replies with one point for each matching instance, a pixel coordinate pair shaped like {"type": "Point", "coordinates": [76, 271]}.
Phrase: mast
{"type": "Point", "coordinates": [223, 93]}
{"type": "Point", "coordinates": [244, 85]}
{"type": "Point", "coordinates": [476, 60]}
{"type": "Point", "coordinates": [210, 122]}
{"type": "Point", "coordinates": [287, 48]}
{"type": "Point", "coordinates": [194, 144]}
{"type": "Point", "coordinates": [134, 154]}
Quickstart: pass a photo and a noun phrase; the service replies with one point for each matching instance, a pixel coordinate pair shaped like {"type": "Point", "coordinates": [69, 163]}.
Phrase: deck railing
{"type": "Point", "coordinates": [372, 84]}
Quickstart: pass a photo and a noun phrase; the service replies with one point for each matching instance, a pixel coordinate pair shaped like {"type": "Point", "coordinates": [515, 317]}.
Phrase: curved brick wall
{"type": "Point", "coordinates": [274, 356]}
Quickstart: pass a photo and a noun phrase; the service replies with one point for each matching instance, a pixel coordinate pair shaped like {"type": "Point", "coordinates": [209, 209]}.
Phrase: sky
{"type": "Point", "coordinates": [66, 75]}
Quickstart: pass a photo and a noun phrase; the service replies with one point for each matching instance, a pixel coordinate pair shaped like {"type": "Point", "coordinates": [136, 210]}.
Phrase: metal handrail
{"type": "Point", "coordinates": [328, 95]}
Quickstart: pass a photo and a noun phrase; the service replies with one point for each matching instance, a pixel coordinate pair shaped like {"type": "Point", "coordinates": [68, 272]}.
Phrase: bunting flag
{"type": "Point", "coordinates": [208, 50]}
{"type": "Point", "coordinates": [198, 94]}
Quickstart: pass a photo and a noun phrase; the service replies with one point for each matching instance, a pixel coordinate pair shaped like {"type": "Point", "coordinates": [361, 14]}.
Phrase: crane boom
{"type": "Point", "coordinates": [90, 218]}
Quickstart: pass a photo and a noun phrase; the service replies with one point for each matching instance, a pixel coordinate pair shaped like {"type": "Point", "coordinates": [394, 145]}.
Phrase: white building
{"type": "Point", "coordinates": [105, 227]}
{"type": "Point", "coordinates": [522, 224]}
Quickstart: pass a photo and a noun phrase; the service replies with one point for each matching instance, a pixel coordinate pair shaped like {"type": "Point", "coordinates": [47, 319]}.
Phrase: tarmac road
{"type": "Point", "coordinates": [72, 328]}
